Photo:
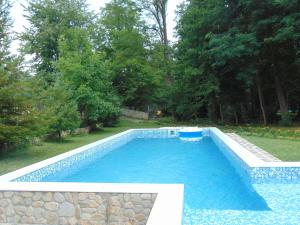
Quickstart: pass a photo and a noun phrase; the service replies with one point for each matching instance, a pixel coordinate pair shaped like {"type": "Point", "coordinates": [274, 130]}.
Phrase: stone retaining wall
{"type": "Point", "coordinates": [73, 208]}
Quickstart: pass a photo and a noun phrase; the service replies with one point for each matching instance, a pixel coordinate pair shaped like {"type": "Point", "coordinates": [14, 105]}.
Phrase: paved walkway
{"type": "Point", "coordinates": [260, 153]}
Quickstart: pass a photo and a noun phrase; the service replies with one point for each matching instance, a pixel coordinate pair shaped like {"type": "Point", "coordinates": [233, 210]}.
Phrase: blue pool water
{"type": "Point", "coordinates": [214, 192]}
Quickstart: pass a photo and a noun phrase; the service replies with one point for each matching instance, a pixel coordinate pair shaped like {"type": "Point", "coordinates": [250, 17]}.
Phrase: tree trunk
{"type": "Point", "coordinates": [236, 118]}
{"type": "Point", "coordinates": [220, 108]}
{"type": "Point", "coordinates": [244, 113]}
{"type": "Point", "coordinates": [284, 109]}
{"type": "Point", "coordinates": [221, 113]}
{"type": "Point", "coordinates": [164, 27]}
{"type": "Point", "coordinates": [261, 99]}
{"type": "Point", "coordinates": [213, 108]}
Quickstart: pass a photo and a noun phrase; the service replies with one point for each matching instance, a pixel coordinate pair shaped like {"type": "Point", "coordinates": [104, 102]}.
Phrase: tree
{"type": "Point", "coordinates": [279, 35]}
{"type": "Point", "coordinates": [19, 119]}
{"type": "Point", "coordinates": [157, 9]}
{"type": "Point", "coordinates": [195, 84]}
{"type": "Point", "coordinates": [128, 50]}
{"type": "Point", "coordinates": [49, 19]}
{"type": "Point", "coordinates": [240, 54]}
{"type": "Point", "coordinates": [87, 76]}
{"type": "Point", "coordinates": [156, 13]}
{"type": "Point", "coordinates": [5, 23]}
{"type": "Point", "coordinates": [59, 109]}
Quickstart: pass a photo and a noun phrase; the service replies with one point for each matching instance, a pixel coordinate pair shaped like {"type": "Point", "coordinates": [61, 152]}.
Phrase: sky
{"type": "Point", "coordinates": [17, 14]}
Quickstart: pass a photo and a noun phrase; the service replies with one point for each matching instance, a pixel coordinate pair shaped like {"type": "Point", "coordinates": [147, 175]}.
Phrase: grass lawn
{"type": "Point", "coordinates": [287, 150]}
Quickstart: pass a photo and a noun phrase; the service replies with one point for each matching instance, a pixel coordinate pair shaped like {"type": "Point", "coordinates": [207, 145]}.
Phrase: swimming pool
{"type": "Point", "coordinates": [223, 183]}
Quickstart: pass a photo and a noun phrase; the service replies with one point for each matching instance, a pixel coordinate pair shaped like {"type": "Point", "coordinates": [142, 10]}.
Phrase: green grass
{"type": "Point", "coordinates": [277, 132]}
{"type": "Point", "coordinates": [282, 143]}
{"type": "Point", "coordinates": [23, 157]}
{"type": "Point", "coordinates": [286, 150]}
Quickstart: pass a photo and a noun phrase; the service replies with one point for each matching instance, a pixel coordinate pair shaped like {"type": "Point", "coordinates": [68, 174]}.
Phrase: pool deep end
{"type": "Point", "coordinates": [223, 183]}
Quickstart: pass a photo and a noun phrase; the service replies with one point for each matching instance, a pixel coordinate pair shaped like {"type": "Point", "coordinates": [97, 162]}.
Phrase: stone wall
{"type": "Point", "coordinates": [72, 208]}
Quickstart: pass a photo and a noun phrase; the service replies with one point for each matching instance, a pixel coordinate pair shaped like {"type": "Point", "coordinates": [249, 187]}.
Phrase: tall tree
{"type": "Point", "coordinates": [49, 19]}
{"type": "Point", "coordinates": [87, 76]}
{"type": "Point", "coordinates": [19, 119]}
{"type": "Point", "coordinates": [156, 13]}
{"type": "Point", "coordinates": [5, 23]}
{"type": "Point", "coordinates": [195, 83]}
{"type": "Point", "coordinates": [157, 9]}
{"type": "Point", "coordinates": [127, 47]}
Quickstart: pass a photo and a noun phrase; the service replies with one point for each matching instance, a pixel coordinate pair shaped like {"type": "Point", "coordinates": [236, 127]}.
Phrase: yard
{"type": "Point", "coordinates": [282, 143]}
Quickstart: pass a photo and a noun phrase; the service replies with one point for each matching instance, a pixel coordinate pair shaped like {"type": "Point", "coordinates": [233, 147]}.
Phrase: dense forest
{"type": "Point", "coordinates": [234, 61]}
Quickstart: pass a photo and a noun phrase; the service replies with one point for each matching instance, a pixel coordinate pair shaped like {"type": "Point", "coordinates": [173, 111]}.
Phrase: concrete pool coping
{"type": "Point", "coordinates": [168, 206]}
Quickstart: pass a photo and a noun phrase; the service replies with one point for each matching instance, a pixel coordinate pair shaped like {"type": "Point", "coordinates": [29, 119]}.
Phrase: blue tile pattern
{"type": "Point", "coordinates": [281, 175]}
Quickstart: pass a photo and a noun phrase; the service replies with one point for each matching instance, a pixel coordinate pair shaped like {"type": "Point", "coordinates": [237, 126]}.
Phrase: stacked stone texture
{"type": "Point", "coordinates": [66, 208]}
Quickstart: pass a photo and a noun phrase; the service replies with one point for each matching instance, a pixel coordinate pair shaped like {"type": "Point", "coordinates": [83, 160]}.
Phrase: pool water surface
{"type": "Point", "coordinates": [211, 183]}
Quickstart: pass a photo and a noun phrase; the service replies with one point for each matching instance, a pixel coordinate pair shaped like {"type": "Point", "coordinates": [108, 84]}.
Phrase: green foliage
{"type": "Point", "coordinates": [233, 56]}
{"type": "Point", "coordinates": [87, 76]}
{"type": "Point", "coordinates": [19, 119]}
{"type": "Point", "coordinates": [48, 21]}
{"type": "Point", "coordinates": [275, 132]}
{"type": "Point", "coordinates": [135, 76]}
{"type": "Point", "coordinates": [236, 61]}
{"type": "Point", "coordinates": [5, 23]}
{"type": "Point", "coordinates": [60, 110]}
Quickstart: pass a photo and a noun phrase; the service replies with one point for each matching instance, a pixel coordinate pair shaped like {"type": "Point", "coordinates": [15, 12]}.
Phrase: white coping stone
{"type": "Point", "coordinates": [190, 129]}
